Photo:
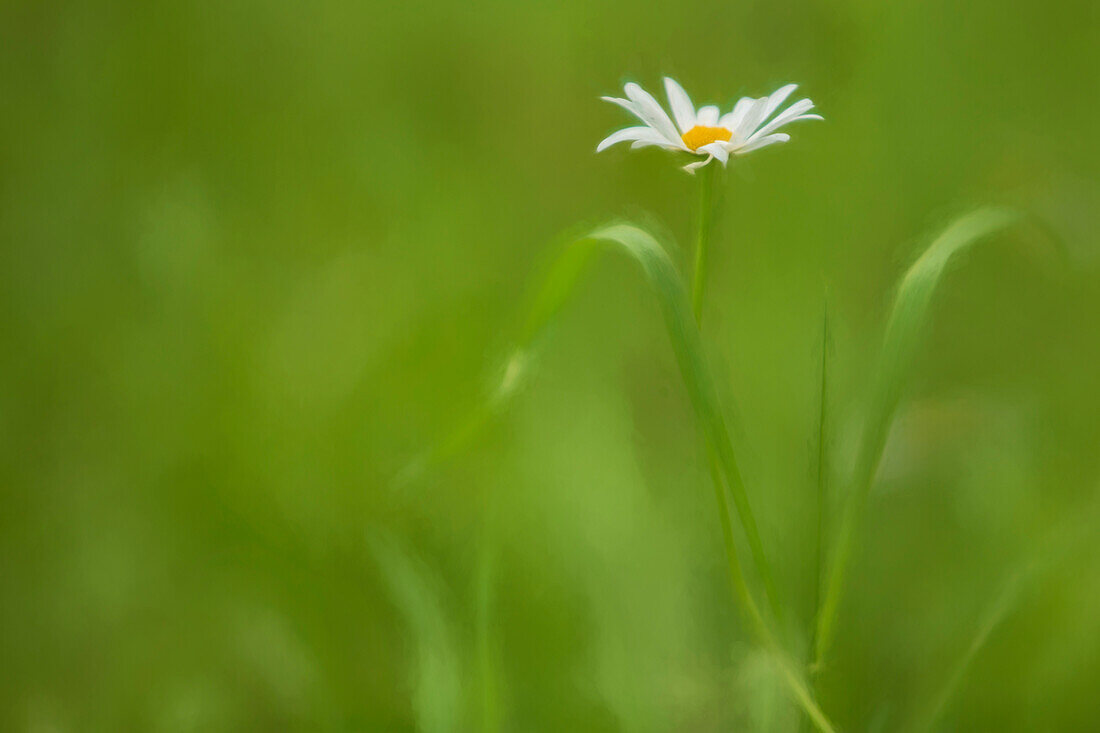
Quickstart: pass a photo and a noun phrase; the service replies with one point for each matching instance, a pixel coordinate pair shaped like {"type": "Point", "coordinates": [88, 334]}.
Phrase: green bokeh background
{"type": "Point", "coordinates": [255, 257]}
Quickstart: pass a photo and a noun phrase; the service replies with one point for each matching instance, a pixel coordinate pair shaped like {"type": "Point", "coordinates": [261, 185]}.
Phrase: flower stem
{"type": "Point", "coordinates": [698, 283]}
{"type": "Point", "coordinates": [707, 205]}
{"type": "Point", "coordinates": [800, 690]}
{"type": "Point", "coordinates": [702, 245]}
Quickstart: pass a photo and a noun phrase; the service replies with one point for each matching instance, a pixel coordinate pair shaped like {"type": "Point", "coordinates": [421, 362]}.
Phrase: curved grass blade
{"type": "Point", "coordinates": [557, 285]}
{"type": "Point", "coordinates": [684, 335]}
{"type": "Point", "coordinates": [556, 289]}
{"type": "Point", "coordinates": [437, 676]}
{"type": "Point", "coordinates": [688, 349]}
{"type": "Point", "coordinates": [1064, 540]}
{"type": "Point", "coordinates": [903, 331]}
{"type": "Point", "coordinates": [991, 619]}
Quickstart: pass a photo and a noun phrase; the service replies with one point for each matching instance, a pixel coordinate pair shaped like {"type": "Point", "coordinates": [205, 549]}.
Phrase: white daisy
{"type": "Point", "coordinates": [703, 132]}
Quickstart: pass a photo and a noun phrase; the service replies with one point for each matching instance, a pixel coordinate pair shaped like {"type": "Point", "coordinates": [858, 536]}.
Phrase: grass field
{"type": "Point", "coordinates": [344, 387]}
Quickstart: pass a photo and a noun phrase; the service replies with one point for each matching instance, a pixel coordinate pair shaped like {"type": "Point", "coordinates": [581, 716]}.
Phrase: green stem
{"type": "Point", "coordinates": [698, 283]}
{"type": "Point", "coordinates": [799, 688]}
{"type": "Point", "coordinates": [698, 286]}
{"type": "Point", "coordinates": [702, 246]}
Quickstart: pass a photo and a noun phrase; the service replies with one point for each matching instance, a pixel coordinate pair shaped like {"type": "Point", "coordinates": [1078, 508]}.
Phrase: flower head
{"type": "Point", "coordinates": [749, 126]}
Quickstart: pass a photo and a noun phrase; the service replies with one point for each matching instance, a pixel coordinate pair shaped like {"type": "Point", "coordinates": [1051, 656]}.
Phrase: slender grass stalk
{"type": "Point", "coordinates": [1077, 529]}
{"type": "Point", "coordinates": [903, 330]}
{"type": "Point", "coordinates": [991, 619]}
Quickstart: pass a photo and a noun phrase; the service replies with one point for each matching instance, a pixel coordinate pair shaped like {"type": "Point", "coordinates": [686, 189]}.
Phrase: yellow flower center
{"type": "Point", "coordinates": [699, 136]}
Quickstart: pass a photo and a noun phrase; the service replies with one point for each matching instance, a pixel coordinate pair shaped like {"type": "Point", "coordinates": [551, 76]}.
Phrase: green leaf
{"type": "Point", "coordinates": [903, 332]}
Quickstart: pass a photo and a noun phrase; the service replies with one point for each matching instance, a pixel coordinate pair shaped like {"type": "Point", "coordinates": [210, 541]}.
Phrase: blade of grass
{"type": "Point", "coordinates": [903, 331]}
{"type": "Point", "coordinates": [558, 283]}
{"type": "Point", "coordinates": [1066, 539]}
{"type": "Point", "coordinates": [688, 349]}
{"type": "Point", "coordinates": [1004, 602]}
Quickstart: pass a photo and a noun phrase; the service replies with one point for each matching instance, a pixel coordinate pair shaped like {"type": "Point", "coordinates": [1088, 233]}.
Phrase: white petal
{"type": "Point", "coordinates": [794, 112]}
{"type": "Point", "coordinates": [655, 138]}
{"type": "Point", "coordinates": [627, 133]}
{"type": "Point", "coordinates": [652, 113]}
{"type": "Point", "coordinates": [708, 116]}
{"type": "Point", "coordinates": [762, 142]}
{"type": "Point", "coordinates": [776, 124]}
{"type": "Point", "coordinates": [627, 105]}
{"type": "Point", "coordinates": [659, 138]}
{"type": "Point", "coordinates": [753, 117]}
{"type": "Point", "coordinates": [692, 167]}
{"type": "Point", "coordinates": [720, 151]}
{"type": "Point", "coordinates": [733, 119]}
{"type": "Point", "coordinates": [800, 107]}
{"type": "Point", "coordinates": [682, 108]}
{"type": "Point", "coordinates": [777, 98]}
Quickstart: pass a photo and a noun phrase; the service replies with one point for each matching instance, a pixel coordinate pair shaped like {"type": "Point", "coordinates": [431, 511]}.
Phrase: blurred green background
{"type": "Point", "coordinates": [255, 257]}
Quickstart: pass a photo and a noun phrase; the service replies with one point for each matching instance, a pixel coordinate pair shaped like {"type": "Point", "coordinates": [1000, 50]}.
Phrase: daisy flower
{"type": "Point", "coordinates": [706, 132]}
